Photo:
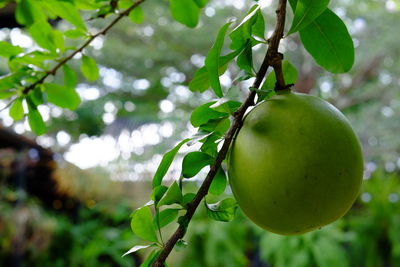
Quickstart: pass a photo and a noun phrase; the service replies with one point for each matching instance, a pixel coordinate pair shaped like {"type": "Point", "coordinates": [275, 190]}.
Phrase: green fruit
{"type": "Point", "coordinates": [296, 164]}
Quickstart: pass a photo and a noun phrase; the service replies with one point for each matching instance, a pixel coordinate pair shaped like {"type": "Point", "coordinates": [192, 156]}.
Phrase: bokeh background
{"type": "Point", "coordinates": [66, 196]}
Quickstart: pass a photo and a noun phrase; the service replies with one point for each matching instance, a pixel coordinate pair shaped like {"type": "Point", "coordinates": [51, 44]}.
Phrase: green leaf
{"type": "Point", "coordinates": [13, 80]}
{"type": "Point", "coordinates": [75, 33]}
{"type": "Point", "coordinates": [7, 94]}
{"type": "Point", "coordinates": [245, 59]}
{"type": "Point", "coordinates": [58, 40]}
{"type": "Point", "coordinates": [42, 33]}
{"type": "Point", "coordinates": [217, 126]}
{"type": "Point", "coordinates": [137, 15]}
{"type": "Point", "coordinates": [166, 163]}
{"type": "Point", "coordinates": [223, 211]}
{"type": "Point", "coordinates": [37, 58]}
{"type": "Point", "coordinates": [328, 253]}
{"type": "Point", "coordinates": [185, 12]}
{"type": "Point", "coordinates": [35, 120]}
{"type": "Point", "coordinates": [264, 94]}
{"type": "Point", "coordinates": [258, 28]}
{"type": "Point", "coordinates": [8, 81]}
{"type": "Point", "coordinates": [158, 192]}
{"type": "Point", "coordinates": [70, 79]}
{"type": "Point", "coordinates": [184, 222]}
{"type": "Point", "coordinates": [212, 60]}
{"type": "Point", "coordinates": [151, 258]}
{"type": "Point", "coordinates": [219, 182]}
{"type": "Point", "coordinates": [187, 198]}
{"type": "Point", "coordinates": [62, 96]}
{"type": "Point", "coordinates": [199, 136]}
{"type": "Point", "coordinates": [201, 79]}
{"type": "Point", "coordinates": [289, 73]}
{"type": "Point", "coordinates": [8, 50]}
{"type": "Point", "coordinates": [202, 114]}
{"type": "Point", "coordinates": [3, 3]}
{"type": "Point", "coordinates": [36, 96]}
{"type": "Point", "coordinates": [68, 12]}
{"type": "Point", "coordinates": [136, 248]}
{"type": "Point", "coordinates": [210, 145]}
{"type": "Point", "coordinates": [17, 110]}
{"type": "Point", "coordinates": [226, 106]}
{"type": "Point", "coordinates": [89, 68]}
{"type": "Point", "coordinates": [103, 11]}
{"type": "Point", "coordinates": [293, 4]}
{"type": "Point", "coordinates": [307, 11]}
{"type": "Point", "coordinates": [172, 196]}
{"type": "Point", "coordinates": [193, 162]}
{"type": "Point", "coordinates": [166, 216]}
{"type": "Point", "coordinates": [87, 5]}
{"type": "Point", "coordinates": [142, 224]}
{"type": "Point", "coordinates": [201, 3]}
{"type": "Point", "coordinates": [28, 12]}
{"type": "Point", "coordinates": [180, 245]}
{"type": "Point", "coordinates": [243, 32]}
{"type": "Point", "coordinates": [329, 42]}
{"type": "Point", "coordinates": [124, 4]}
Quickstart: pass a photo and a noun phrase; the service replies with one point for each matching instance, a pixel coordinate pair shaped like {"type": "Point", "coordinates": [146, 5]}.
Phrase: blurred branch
{"type": "Point", "coordinates": [366, 73]}
{"type": "Point", "coordinates": [8, 104]}
{"type": "Point", "coordinates": [345, 103]}
{"type": "Point", "coordinates": [272, 56]}
{"type": "Point", "coordinates": [84, 45]}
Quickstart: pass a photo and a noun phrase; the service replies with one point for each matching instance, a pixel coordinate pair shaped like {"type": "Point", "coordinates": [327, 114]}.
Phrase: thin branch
{"type": "Point", "coordinates": [158, 225]}
{"type": "Point", "coordinates": [270, 58]}
{"type": "Point", "coordinates": [84, 45]}
{"type": "Point", "coordinates": [8, 104]}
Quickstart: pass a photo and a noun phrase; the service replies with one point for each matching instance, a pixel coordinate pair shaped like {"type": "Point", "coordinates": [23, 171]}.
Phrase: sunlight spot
{"type": "Point", "coordinates": [141, 84]}
{"type": "Point", "coordinates": [109, 107]}
{"type": "Point", "coordinates": [387, 112]}
{"type": "Point", "coordinates": [129, 106]}
{"type": "Point", "coordinates": [45, 140]}
{"type": "Point", "coordinates": [88, 93]}
{"type": "Point", "coordinates": [97, 43]}
{"type": "Point", "coordinates": [63, 138]}
{"type": "Point", "coordinates": [366, 197]}
{"type": "Point", "coordinates": [209, 11]}
{"type": "Point", "coordinates": [108, 118]}
{"type": "Point", "coordinates": [166, 129]}
{"type": "Point", "coordinates": [18, 38]}
{"type": "Point", "coordinates": [390, 166]}
{"type": "Point", "coordinates": [90, 152]}
{"type": "Point", "coordinates": [166, 106]}
{"type": "Point", "coordinates": [19, 127]}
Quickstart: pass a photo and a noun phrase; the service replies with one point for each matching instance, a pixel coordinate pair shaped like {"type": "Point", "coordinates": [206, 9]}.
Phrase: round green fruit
{"type": "Point", "coordinates": [296, 164]}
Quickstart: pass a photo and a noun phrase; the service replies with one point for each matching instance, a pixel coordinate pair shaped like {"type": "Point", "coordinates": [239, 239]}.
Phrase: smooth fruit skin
{"type": "Point", "coordinates": [296, 164]}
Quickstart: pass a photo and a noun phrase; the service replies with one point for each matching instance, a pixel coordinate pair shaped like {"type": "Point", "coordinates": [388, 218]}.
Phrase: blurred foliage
{"type": "Point", "coordinates": [216, 243]}
{"type": "Point", "coordinates": [96, 236]}
{"type": "Point", "coordinates": [367, 236]}
{"type": "Point", "coordinates": [91, 186]}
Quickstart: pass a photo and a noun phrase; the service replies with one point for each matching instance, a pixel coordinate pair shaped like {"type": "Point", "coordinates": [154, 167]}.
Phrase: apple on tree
{"type": "Point", "coordinates": [296, 164]}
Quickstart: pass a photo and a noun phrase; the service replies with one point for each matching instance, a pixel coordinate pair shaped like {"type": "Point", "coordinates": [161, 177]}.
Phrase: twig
{"type": "Point", "coordinates": [66, 59]}
{"type": "Point", "coordinates": [8, 104]}
{"type": "Point", "coordinates": [270, 58]}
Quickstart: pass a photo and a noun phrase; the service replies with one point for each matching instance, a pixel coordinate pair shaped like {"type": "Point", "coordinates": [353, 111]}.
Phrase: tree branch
{"type": "Point", "coordinates": [271, 57]}
{"type": "Point", "coordinates": [78, 50]}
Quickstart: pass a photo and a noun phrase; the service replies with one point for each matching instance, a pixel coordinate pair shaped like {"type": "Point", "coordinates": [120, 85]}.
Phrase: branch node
{"type": "Point", "coordinates": [287, 86]}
